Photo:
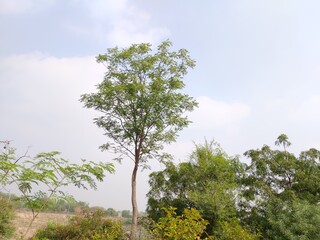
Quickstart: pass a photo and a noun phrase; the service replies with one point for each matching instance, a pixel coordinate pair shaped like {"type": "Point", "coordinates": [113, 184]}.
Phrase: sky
{"type": "Point", "coordinates": [257, 76]}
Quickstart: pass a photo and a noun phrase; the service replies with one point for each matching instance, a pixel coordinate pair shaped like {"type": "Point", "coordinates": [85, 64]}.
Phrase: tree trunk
{"type": "Point", "coordinates": [134, 224]}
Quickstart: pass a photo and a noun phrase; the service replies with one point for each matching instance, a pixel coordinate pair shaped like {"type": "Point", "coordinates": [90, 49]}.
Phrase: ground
{"type": "Point", "coordinates": [23, 219]}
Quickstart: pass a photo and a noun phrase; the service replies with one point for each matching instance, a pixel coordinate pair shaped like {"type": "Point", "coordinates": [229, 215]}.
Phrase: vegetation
{"type": "Point", "coordinates": [233, 230]}
{"type": "Point", "coordinates": [110, 212]}
{"type": "Point", "coordinates": [142, 104]}
{"type": "Point", "coordinates": [207, 183]}
{"type": "Point", "coordinates": [40, 179]}
{"type": "Point", "coordinates": [189, 225]}
{"type": "Point", "coordinates": [6, 216]}
{"type": "Point", "coordinates": [276, 196]}
{"type": "Point", "coordinates": [276, 181]}
{"type": "Point", "coordinates": [210, 196]}
{"type": "Point", "coordinates": [297, 219]}
{"type": "Point", "coordinates": [125, 214]}
{"type": "Point", "coordinates": [91, 226]}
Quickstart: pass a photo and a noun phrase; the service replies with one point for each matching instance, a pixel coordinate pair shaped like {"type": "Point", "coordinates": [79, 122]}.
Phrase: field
{"type": "Point", "coordinates": [23, 219]}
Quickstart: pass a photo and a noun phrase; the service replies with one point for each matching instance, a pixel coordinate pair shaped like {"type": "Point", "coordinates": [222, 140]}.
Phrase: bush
{"type": "Point", "coordinates": [172, 227]}
{"type": "Point", "coordinates": [6, 216]}
{"type": "Point", "coordinates": [90, 226]}
{"type": "Point", "coordinates": [232, 230]}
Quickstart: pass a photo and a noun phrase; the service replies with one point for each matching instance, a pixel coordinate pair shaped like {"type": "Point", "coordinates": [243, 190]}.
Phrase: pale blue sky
{"type": "Point", "coordinates": [257, 74]}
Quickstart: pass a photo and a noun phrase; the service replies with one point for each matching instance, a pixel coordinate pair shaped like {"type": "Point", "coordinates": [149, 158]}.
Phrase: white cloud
{"type": "Point", "coordinates": [39, 94]}
{"type": "Point", "coordinates": [213, 114]}
{"type": "Point", "coordinates": [126, 23]}
{"type": "Point", "coordinates": [105, 9]}
{"type": "Point", "coordinates": [22, 6]}
{"type": "Point", "coordinates": [131, 26]}
{"type": "Point", "coordinates": [36, 70]}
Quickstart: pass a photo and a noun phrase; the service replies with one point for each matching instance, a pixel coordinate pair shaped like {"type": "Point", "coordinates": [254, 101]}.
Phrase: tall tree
{"type": "Point", "coordinates": [142, 104]}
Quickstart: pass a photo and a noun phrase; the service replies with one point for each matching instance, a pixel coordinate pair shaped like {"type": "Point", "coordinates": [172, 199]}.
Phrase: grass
{"type": "Point", "coordinates": [23, 218]}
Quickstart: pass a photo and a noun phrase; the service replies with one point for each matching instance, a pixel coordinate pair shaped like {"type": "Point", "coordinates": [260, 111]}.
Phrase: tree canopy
{"type": "Point", "coordinates": [276, 184]}
{"type": "Point", "coordinates": [206, 182]}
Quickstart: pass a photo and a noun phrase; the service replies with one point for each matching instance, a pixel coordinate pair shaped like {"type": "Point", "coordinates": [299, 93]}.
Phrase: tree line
{"type": "Point", "coordinates": [275, 196]}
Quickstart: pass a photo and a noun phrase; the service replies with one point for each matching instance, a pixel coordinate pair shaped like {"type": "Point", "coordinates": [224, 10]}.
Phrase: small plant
{"type": "Point", "coordinates": [90, 226]}
{"type": "Point", "coordinates": [190, 225]}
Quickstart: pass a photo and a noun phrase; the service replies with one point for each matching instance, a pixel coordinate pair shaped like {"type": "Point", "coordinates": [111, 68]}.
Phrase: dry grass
{"type": "Point", "coordinates": [23, 219]}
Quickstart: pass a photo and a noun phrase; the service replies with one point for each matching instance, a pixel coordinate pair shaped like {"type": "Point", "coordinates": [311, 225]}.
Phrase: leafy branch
{"type": "Point", "coordinates": [40, 178]}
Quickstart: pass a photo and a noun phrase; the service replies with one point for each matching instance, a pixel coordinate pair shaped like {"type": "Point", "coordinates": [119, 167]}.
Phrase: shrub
{"type": "Point", "coordinates": [90, 226]}
{"type": "Point", "coordinates": [232, 230]}
{"type": "Point", "coordinates": [6, 216]}
{"type": "Point", "coordinates": [172, 227]}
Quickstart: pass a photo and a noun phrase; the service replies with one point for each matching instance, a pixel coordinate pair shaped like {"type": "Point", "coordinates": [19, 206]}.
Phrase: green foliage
{"type": "Point", "coordinates": [307, 176]}
{"type": "Point", "coordinates": [216, 181]}
{"type": "Point", "coordinates": [126, 214]}
{"type": "Point", "coordinates": [169, 188]}
{"type": "Point", "coordinates": [276, 197]}
{"type": "Point", "coordinates": [207, 182]}
{"type": "Point", "coordinates": [6, 216]}
{"type": "Point", "coordinates": [98, 208]}
{"type": "Point", "coordinates": [91, 226]}
{"type": "Point", "coordinates": [293, 220]}
{"type": "Point", "coordinates": [189, 225]}
{"type": "Point", "coordinates": [67, 203]}
{"type": "Point", "coordinates": [39, 179]}
{"type": "Point", "coordinates": [63, 203]}
{"type": "Point", "coordinates": [111, 212]}
{"type": "Point", "coordinates": [142, 104]}
{"type": "Point", "coordinates": [140, 98]}
{"type": "Point", "coordinates": [49, 171]}
{"type": "Point", "coordinates": [127, 221]}
{"type": "Point", "coordinates": [232, 230]}
{"type": "Point", "coordinates": [275, 182]}
{"type": "Point", "coordinates": [9, 164]}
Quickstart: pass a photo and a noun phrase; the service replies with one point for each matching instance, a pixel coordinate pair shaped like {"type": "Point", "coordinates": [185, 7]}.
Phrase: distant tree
{"type": "Point", "coordinates": [142, 104]}
{"type": "Point", "coordinates": [98, 208]}
{"type": "Point", "coordinates": [126, 214]}
{"type": "Point", "coordinates": [111, 212]}
{"type": "Point", "coordinates": [83, 205]}
{"type": "Point", "coordinates": [283, 140]}
{"type": "Point", "coordinates": [67, 203]}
